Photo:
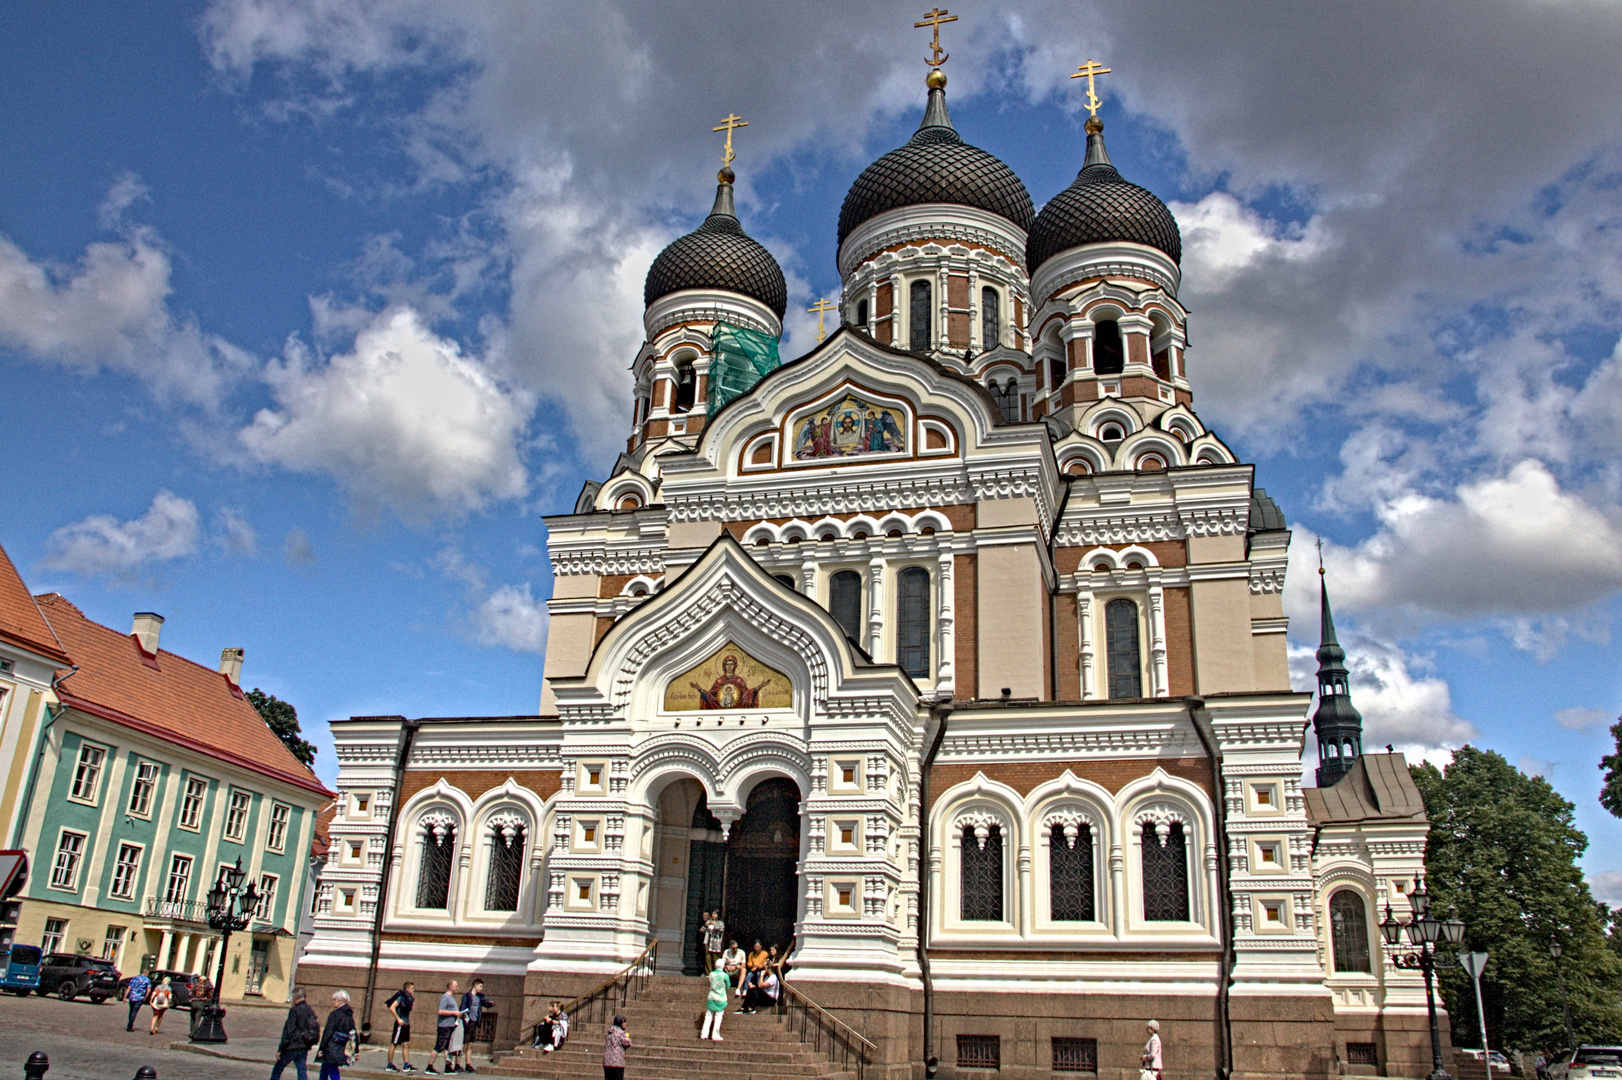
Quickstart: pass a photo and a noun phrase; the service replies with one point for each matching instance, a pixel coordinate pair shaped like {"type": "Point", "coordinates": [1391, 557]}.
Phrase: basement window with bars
{"type": "Point", "coordinates": [979, 1051]}
{"type": "Point", "coordinates": [1075, 1055]}
{"type": "Point", "coordinates": [1362, 1054]}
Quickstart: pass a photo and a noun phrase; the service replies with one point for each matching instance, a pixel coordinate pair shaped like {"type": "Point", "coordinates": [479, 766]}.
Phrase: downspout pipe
{"type": "Point", "coordinates": [400, 762]}
{"type": "Point", "coordinates": [1201, 718]}
{"type": "Point", "coordinates": [20, 826]}
{"type": "Point", "coordinates": [943, 712]}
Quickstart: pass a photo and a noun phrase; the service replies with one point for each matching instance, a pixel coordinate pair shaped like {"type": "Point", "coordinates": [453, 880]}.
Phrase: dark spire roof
{"type": "Point", "coordinates": [719, 255]}
{"type": "Point", "coordinates": [936, 166]}
{"type": "Point", "coordinates": [1339, 726]}
{"type": "Point", "coordinates": [1100, 207]}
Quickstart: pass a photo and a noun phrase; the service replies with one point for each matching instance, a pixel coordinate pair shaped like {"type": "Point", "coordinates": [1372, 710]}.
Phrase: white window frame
{"type": "Point", "coordinates": [147, 782]}
{"type": "Point", "coordinates": [200, 804]}
{"type": "Point", "coordinates": [231, 808]}
{"type": "Point", "coordinates": [50, 941]}
{"type": "Point", "coordinates": [265, 910]}
{"type": "Point", "coordinates": [1099, 823]}
{"type": "Point", "coordinates": [281, 815]}
{"type": "Point", "coordinates": [77, 855]}
{"type": "Point", "coordinates": [134, 875]}
{"type": "Point", "coordinates": [186, 879]}
{"type": "Point", "coordinates": [76, 790]}
{"type": "Point", "coordinates": [117, 943]}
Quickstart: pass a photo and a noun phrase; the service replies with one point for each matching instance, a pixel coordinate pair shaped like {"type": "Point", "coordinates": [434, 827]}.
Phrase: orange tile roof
{"type": "Point", "coordinates": [20, 620]}
{"type": "Point", "coordinates": [167, 696]}
{"type": "Point", "coordinates": [321, 842]}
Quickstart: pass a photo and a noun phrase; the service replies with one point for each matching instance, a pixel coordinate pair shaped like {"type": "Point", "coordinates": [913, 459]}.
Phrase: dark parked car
{"type": "Point", "coordinates": [68, 975]}
{"type": "Point", "coordinates": [180, 983]}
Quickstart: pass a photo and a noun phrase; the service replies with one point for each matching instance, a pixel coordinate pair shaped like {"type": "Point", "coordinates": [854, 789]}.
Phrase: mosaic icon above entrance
{"type": "Point", "coordinates": [729, 679]}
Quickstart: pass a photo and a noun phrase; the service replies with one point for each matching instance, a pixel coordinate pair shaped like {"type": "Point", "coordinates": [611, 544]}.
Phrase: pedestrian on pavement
{"type": "Point", "coordinates": [715, 929]}
{"type": "Point", "coordinates": [473, 1005]}
{"type": "Point", "coordinates": [160, 999]}
{"type": "Point", "coordinates": [399, 1007]}
{"type": "Point", "coordinates": [450, 1015]}
{"type": "Point", "coordinates": [1152, 1063]}
{"type": "Point", "coordinates": [715, 1003]}
{"type": "Point", "coordinates": [138, 989]}
{"type": "Point", "coordinates": [336, 1039]}
{"type": "Point", "coordinates": [614, 1048]}
{"type": "Point", "coordinates": [301, 1032]}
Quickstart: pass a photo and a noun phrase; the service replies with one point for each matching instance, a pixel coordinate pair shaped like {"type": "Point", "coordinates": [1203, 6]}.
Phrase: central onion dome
{"type": "Point", "coordinates": [936, 166]}
{"type": "Point", "coordinates": [719, 255]}
{"type": "Point", "coordinates": [1100, 207]}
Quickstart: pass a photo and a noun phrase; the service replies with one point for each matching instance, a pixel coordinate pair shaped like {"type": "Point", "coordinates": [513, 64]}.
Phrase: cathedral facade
{"type": "Point", "coordinates": [948, 657]}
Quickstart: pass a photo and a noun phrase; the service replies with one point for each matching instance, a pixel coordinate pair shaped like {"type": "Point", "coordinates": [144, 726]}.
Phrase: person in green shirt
{"type": "Point", "coordinates": [715, 1005]}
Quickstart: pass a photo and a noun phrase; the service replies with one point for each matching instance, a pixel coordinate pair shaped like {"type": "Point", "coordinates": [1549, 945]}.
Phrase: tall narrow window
{"type": "Point", "coordinates": [918, 321]}
{"type": "Point", "coordinates": [982, 873]}
{"type": "Point", "coordinates": [912, 622]}
{"type": "Point", "coordinates": [69, 852]}
{"type": "Point", "coordinates": [506, 866]}
{"type": "Point", "coordinates": [1108, 356]}
{"type": "Point", "coordinates": [178, 886]}
{"type": "Point", "coordinates": [861, 314]}
{"type": "Point", "coordinates": [1121, 641]}
{"type": "Point", "coordinates": [191, 807]}
{"type": "Point", "coordinates": [845, 602]}
{"type": "Point", "coordinates": [141, 789]}
{"type": "Point", "coordinates": [686, 385]}
{"type": "Point", "coordinates": [87, 774]}
{"type": "Point", "coordinates": [1055, 372]}
{"type": "Point", "coordinates": [1165, 873]}
{"type": "Point", "coordinates": [434, 873]}
{"type": "Point", "coordinates": [1070, 872]}
{"type": "Point", "coordinates": [1007, 398]}
{"type": "Point", "coordinates": [1349, 931]}
{"type": "Point", "coordinates": [990, 324]}
{"type": "Point", "coordinates": [265, 910]}
{"type": "Point", "coordinates": [125, 871]}
{"type": "Point", "coordinates": [276, 839]}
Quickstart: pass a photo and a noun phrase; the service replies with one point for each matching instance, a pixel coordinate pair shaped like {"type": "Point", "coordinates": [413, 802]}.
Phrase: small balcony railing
{"type": "Point", "coordinates": [192, 911]}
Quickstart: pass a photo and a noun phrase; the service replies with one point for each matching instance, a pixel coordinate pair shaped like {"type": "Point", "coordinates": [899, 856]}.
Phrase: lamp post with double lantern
{"type": "Point", "coordinates": [230, 908]}
{"type": "Point", "coordinates": [1426, 933]}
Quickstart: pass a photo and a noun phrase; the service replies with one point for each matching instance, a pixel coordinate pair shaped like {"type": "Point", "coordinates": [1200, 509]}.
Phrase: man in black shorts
{"type": "Point", "coordinates": [399, 1007]}
{"type": "Point", "coordinates": [450, 1014]}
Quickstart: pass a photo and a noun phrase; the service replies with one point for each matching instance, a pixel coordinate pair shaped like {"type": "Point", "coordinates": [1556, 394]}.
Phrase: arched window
{"type": "Point", "coordinates": [982, 873]}
{"type": "Point", "coordinates": [918, 323]}
{"type": "Point", "coordinates": [434, 872]}
{"type": "Point", "coordinates": [506, 865]}
{"type": "Point", "coordinates": [1108, 356]}
{"type": "Point", "coordinates": [845, 602]}
{"type": "Point", "coordinates": [786, 580]}
{"type": "Point", "coordinates": [1070, 872]}
{"type": "Point", "coordinates": [990, 323]}
{"type": "Point", "coordinates": [1007, 398]}
{"type": "Point", "coordinates": [1121, 643]}
{"type": "Point", "coordinates": [1165, 873]}
{"type": "Point", "coordinates": [912, 622]}
{"type": "Point", "coordinates": [686, 385]}
{"type": "Point", "coordinates": [861, 314]}
{"type": "Point", "coordinates": [1055, 372]}
{"type": "Point", "coordinates": [1349, 931]}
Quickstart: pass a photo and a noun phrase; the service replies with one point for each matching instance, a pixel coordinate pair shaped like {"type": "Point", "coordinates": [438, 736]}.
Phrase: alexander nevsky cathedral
{"type": "Point", "coordinates": [948, 657]}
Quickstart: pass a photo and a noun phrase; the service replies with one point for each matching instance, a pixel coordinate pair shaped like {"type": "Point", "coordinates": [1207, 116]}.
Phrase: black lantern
{"type": "Point", "coordinates": [1419, 898]}
{"type": "Point", "coordinates": [1453, 928]}
{"type": "Point", "coordinates": [1555, 948]}
{"type": "Point", "coordinates": [230, 909]}
{"type": "Point", "coordinates": [1391, 929]}
{"type": "Point", "coordinates": [1425, 932]}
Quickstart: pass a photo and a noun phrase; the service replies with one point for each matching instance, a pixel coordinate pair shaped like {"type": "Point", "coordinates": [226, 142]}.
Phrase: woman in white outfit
{"type": "Point", "coordinates": [1152, 1064]}
{"type": "Point", "coordinates": [715, 1003]}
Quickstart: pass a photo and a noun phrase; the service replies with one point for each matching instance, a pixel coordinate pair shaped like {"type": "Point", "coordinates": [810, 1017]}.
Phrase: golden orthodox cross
{"type": "Point", "coordinates": [731, 122]}
{"type": "Point", "coordinates": [1091, 69]}
{"type": "Point", "coordinates": [821, 308]}
{"type": "Point", "coordinates": [934, 19]}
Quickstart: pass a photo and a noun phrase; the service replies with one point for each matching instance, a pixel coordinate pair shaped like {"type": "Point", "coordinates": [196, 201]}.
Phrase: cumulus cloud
{"type": "Point", "coordinates": [1402, 701]}
{"type": "Point", "coordinates": [404, 419]}
{"type": "Point", "coordinates": [1606, 885]}
{"type": "Point", "coordinates": [1576, 719]}
{"type": "Point", "coordinates": [103, 545]}
{"type": "Point", "coordinates": [506, 615]}
{"type": "Point", "coordinates": [296, 547]}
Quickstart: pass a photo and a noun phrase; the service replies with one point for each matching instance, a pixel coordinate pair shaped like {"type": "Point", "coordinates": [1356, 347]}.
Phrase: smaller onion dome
{"type": "Point", "coordinates": [718, 255]}
{"type": "Point", "coordinates": [1100, 207]}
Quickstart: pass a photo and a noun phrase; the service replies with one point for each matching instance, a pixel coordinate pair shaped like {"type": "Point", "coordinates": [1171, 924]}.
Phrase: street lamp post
{"type": "Point", "coordinates": [1426, 933]}
{"type": "Point", "coordinates": [1555, 949]}
{"type": "Point", "coordinates": [230, 908]}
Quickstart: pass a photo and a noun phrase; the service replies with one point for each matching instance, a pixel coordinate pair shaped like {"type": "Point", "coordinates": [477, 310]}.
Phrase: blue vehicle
{"type": "Point", "coordinates": [21, 970]}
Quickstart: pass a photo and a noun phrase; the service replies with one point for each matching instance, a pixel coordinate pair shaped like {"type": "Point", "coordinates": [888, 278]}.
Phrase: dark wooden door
{"type": "Point", "coordinates": [762, 868]}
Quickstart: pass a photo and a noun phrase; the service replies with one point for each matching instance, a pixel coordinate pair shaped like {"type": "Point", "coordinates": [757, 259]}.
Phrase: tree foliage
{"type": "Point", "coordinates": [1610, 794]}
{"type": "Point", "coordinates": [1503, 850]}
{"type": "Point", "coordinates": [282, 718]}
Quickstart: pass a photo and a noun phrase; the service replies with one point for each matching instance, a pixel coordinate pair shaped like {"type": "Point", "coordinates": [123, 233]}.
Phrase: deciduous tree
{"type": "Point", "coordinates": [282, 718]}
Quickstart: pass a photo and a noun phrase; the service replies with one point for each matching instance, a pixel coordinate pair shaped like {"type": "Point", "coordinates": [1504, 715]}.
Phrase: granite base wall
{"type": "Point", "coordinates": [506, 991]}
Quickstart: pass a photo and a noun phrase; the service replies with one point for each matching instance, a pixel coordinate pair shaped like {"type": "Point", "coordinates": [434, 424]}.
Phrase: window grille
{"type": "Point", "coordinates": [1362, 1054]}
{"type": "Point", "coordinates": [979, 1052]}
{"type": "Point", "coordinates": [1349, 930]}
{"type": "Point", "coordinates": [1121, 640]}
{"type": "Point", "coordinates": [1070, 874]}
{"type": "Point", "coordinates": [1165, 874]}
{"type": "Point", "coordinates": [1075, 1055]}
{"type": "Point", "coordinates": [506, 867]}
{"type": "Point", "coordinates": [434, 875]}
{"type": "Point", "coordinates": [912, 622]}
{"type": "Point", "coordinates": [918, 321]}
{"type": "Point", "coordinates": [845, 602]}
{"type": "Point", "coordinates": [982, 875]}
{"type": "Point", "coordinates": [1109, 358]}
{"type": "Point", "coordinates": [990, 330]}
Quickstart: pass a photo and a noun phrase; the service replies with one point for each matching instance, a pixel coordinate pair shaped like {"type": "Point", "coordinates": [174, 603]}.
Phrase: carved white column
{"type": "Point", "coordinates": [945, 648]}
{"type": "Point", "coordinates": [942, 277]}
{"type": "Point", "coordinates": [1157, 641]}
{"type": "Point", "coordinates": [1117, 888]}
{"type": "Point", "coordinates": [875, 607]}
{"type": "Point", "coordinates": [975, 342]}
{"type": "Point", "coordinates": [897, 299]}
{"type": "Point", "coordinates": [808, 578]}
{"type": "Point", "coordinates": [1084, 620]}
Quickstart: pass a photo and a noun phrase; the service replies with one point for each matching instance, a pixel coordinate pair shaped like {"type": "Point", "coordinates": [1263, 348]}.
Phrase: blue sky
{"type": "Point", "coordinates": [309, 311]}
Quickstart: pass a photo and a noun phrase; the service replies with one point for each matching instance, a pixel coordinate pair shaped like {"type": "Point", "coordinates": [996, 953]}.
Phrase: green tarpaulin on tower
{"type": "Point", "coordinates": [741, 359]}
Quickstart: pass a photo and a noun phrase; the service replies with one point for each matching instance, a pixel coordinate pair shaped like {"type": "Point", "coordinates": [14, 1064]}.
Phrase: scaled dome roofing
{"type": "Point", "coordinates": [936, 166]}
{"type": "Point", "coordinates": [718, 255]}
{"type": "Point", "coordinates": [1101, 207]}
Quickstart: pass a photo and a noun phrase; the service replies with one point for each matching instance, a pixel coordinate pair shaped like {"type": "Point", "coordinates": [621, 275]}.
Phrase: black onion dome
{"type": "Point", "coordinates": [1100, 207]}
{"type": "Point", "coordinates": [936, 166]}
{"type": "Point", "coordinates": [718, 255]}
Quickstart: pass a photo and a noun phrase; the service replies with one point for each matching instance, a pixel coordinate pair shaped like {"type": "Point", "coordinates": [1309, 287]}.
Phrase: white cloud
{"type": "Point", "coordinates": [1578, 718]}
{"type": "Point", "coordinates": [296, 547]}
{"type": "Point", "coordinates": [505, 615]}
{"type": "Point", "coordinates": [1222, 236]}
{"type": "Point", "coordinates": [236, 534]}
{"type": "Point", "coordinates": [1606, 885]}
{"type": "Point", "coordinates": [103, 545]}
{"type": "Point", "coordinates": [404, 419]}
{"type": "Point", "coordinates": [1401, 702]}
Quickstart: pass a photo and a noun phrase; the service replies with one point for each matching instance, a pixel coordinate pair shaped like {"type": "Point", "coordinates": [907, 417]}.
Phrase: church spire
{"type": "Point", "coordinates": [1339, 726]}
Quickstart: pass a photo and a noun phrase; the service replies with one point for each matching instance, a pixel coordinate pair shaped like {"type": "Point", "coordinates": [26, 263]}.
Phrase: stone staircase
{"type": "Point", "coordinates": [663, 1022]}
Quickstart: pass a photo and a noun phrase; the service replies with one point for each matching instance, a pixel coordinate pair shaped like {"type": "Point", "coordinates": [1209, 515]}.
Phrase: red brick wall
{"type": "Point", "coordinates": [885, 331]}
{"type": "Point", "coordinates": [475, 782]}
{"type": "Point", "coordinates": [1024, 776]}
{"type": "Point", "coordinates": [1069, 649]}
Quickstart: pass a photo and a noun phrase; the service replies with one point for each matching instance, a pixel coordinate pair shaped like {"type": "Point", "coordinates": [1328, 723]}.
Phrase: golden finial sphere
{"type": "Point", "coordinates": [1093, 125]}
{"type": "Point", "coordinates": [726, 175]}
{"type": "Point", "coordinates": [936, 80]}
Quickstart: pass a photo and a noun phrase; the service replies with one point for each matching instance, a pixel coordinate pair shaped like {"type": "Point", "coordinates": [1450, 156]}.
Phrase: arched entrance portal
{"type": "Point", "coordinates": [752, 877]}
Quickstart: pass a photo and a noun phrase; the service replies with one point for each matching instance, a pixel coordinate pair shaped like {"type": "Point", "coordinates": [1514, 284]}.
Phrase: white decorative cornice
{"type": "Point", "coordinates": [709, 305]}
{"type": "Point", "coordinates": [603, 558]}
{"type": "Point", "coordinates": [1266, 579]}
{"type": "Point", "coordinates": [1105, 260]}
{"type": "Point", "coordinates": [934, 222]}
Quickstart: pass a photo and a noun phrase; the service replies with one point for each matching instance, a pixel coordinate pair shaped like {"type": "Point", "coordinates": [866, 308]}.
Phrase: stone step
{"type": "Point", "coordinates": [746, 1050]}
{"type": "Point", "coordinates": [697, 1067]}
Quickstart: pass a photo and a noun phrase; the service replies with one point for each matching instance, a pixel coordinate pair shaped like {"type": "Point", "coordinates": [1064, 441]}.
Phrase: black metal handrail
{"type": "Point", "coordinates": [618, 989]}
{"type": "Point", "coordinates": [832, 1036]}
